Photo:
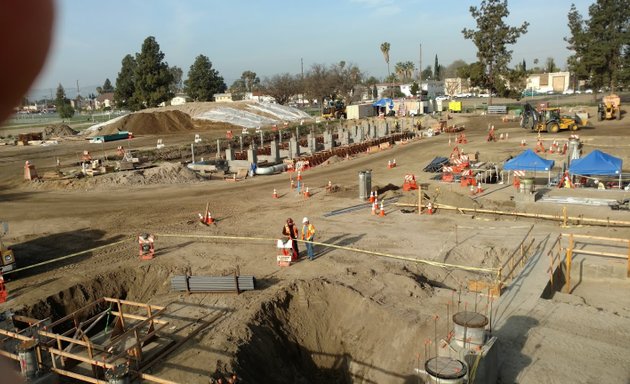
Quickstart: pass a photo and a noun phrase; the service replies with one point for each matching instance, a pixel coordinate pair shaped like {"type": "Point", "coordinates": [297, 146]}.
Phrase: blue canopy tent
{"type": "Point", "coordinates": [597, 163]}
{"type": "Point", "coordinates": [384, 102]}
{"type": "Point", "coordinates": [528, 160]}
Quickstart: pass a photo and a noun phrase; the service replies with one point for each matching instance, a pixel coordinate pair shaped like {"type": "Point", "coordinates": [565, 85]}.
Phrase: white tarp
{"type": "Point", "coordinates": [254, 118]}
{"type": "Point", "coordinates": [97, 127]}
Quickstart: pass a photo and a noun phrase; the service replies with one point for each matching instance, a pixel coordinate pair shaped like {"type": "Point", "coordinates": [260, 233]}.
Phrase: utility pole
{"type": "Point", "coordinates": [420, 67]}
{"type": "Point", "coordinates": [420, 73]}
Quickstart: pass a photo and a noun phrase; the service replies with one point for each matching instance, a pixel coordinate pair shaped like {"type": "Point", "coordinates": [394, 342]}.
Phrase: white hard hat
{"type": "Point", "coordinates": [305, 220]}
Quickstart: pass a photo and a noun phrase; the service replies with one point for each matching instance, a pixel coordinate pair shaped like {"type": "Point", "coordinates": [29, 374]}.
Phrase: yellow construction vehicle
{"type": "Point", "coordinates": [334, 109]}
{"type": "Point", "coordinates": [547, 119]}
{"type": "Point", "coordinates": [609, 108]}
{"type": "Point", "coordinates": [6, 254]}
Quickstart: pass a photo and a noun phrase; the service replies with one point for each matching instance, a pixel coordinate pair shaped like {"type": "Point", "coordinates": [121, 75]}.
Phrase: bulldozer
{"type": "Point", "coordinates": [548, 119]}
{"type": "Point", "coordinates": [334, 109]}
{"type": "Point", "coordinates": [609, 108]}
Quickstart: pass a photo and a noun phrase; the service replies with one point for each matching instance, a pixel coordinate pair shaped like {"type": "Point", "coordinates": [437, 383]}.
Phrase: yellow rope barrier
{"type": "Point", "coordinates": [247, 238]}
{"type": "Point", "coordinates": [421, 261]}
{"type": "Point", "coordinates": [66, 257]}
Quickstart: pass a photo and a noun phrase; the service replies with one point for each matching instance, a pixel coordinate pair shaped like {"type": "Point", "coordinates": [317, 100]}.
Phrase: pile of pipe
{"type": "Point", "coordinates": [229, 283]}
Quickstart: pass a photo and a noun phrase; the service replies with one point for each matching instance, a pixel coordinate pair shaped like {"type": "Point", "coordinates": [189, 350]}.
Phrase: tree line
{"type": "Point", "coordinates": [600, 46]}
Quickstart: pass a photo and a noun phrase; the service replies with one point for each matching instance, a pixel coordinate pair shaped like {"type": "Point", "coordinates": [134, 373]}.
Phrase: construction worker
{"type": "Point", "coordinates": [290, 231]}
{"type": "Point", "coordinates": [308, 233]}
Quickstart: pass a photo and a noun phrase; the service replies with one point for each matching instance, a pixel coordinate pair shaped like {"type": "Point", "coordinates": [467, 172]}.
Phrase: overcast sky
{"type": "Point", "coordinates": [271, 37]}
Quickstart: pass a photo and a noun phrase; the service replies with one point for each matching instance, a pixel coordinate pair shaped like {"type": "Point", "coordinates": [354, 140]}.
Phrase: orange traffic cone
{"type": "Point", "coordinates": [307, 194]}
{"type": "Point", "coordinates": [394, 163]}
{"type": "Point", "coordinates": [292, 184]}
{"type": "Point", "coordinates": [382, 212]}
{"type": "Point", "coordinates": [207, 219]}
{"type": "Point", "coordinates": [389, 164]}
{"type": "Point", "coordinates": [373, 208]}
{"type": "Point", "coordinates": [371, 196]}
{"type": "Point", "coordinates": [275, 194]}
{"type": "Point", "coordinates": [523, 143]}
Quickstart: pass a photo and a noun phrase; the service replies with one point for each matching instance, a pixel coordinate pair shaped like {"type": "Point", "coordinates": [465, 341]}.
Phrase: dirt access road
{"type": "Point", "coordinates": [344, 317]}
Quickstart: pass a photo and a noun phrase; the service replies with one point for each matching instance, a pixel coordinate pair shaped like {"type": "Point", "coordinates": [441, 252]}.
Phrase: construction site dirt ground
{"type": "Point", "coordinates": [346, 317]}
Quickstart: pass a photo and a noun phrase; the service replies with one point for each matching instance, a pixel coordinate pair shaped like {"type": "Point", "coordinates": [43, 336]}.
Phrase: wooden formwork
{"type": "Point", "coordinates": [102, 335]}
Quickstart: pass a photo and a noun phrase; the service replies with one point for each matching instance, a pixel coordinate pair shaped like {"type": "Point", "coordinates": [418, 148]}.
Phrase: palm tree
{"type": "Point", "coordinates": [399, 70]}
{"type": "Point", "coordinates": [404, 70]}
{"type": "Point", "coordinates": [408, 68]}
{"type": "Point", "coordinates": [385, 51]}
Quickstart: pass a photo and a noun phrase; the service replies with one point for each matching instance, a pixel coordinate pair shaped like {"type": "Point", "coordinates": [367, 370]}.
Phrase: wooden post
{"type": "Point", "coordinates": [63, 361]}
{"type": "Point", "coordinates": [122, 316]}
{"type": "Point", "coordinates": [137, 349]}
{"type": "Point", "coordinates": [564, 216]}
{"type": "Point", "coordinates": [551, 268]}
{"type": "Point", "coordinates": [419, 200]}
{"type": "Point", "coordinates": [568, 262]}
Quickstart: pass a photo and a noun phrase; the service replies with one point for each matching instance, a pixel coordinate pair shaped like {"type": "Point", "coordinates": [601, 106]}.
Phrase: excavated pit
{"type": "Point", "coordinates": [139, 284]}
{"type": "Point", "coordinates": [323, 332]}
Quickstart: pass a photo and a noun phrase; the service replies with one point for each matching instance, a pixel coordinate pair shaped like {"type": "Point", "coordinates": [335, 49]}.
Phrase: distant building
{"type": "Point", "coordinates": [456, 86]}
{"type": "Point", "coordinates": [556, 82]}
{"type": "Point", "coordinates": [105, 100]}
{"type": "Point", "coordinates": [431, 88]}
{"type": "Point", "coordinates": [180, 99]}
{"type": "Point", "coordinates": [222, 97]}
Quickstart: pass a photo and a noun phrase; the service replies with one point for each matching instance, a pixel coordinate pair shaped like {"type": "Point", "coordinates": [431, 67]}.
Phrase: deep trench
{"type": "Point", "coordinates": [321, 332]}
{"type": "Point", "coordinates": [135, 284]}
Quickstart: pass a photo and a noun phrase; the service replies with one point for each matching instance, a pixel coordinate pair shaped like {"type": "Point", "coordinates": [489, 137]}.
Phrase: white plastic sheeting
{"type": "Point", "coordinates": [97, 127]}
{"type": "Point", "coordinates": [280, 111]}
{"type": "Point", "coordinates": [253, 119]}
{"type": "Point", "coordinates": [235, 117]}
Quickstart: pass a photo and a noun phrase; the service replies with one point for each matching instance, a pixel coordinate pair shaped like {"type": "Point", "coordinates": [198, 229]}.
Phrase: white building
{"type": "Point", "coordinates": [180, 100]}
{"type": "Point", "coordinates": [105, 100]}
{"type": "Point", "coordinates": [556, 82]}
{"type": "Point", "coordinates": [223, 97]}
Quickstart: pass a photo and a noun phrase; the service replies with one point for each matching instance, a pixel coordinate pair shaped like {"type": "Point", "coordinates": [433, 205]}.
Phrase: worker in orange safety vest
{"type": "Point", "coordinates": [308, 234]}
{"type": "Point", "coordinates": [291, 232]}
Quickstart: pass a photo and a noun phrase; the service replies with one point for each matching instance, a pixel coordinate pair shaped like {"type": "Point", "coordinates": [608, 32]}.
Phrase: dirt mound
{"type": "Point", "coordinates": [59, 130]}
{"type": "Point", "coordinates": [452, 198]}
{"type": "Point", "coordinates": [150, 123]}
{"type": "Point", "coordinates": [164, 173]}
